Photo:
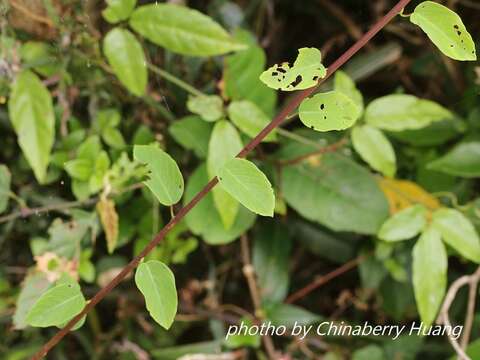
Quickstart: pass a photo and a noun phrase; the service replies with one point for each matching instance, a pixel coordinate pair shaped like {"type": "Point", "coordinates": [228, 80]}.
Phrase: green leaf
{"type": "Point", "coordinates": [337, 193]}
{"type": "Point", "coordinates": [5, 179]}
{"type": "Point", "coordinates": [243, 339]}
{"type": "Point", "coordinates": [125, 54]}
{"type": "Point", "coordinates": [40, 56]}
{"type": "Point", "coordinates": [33, 286]}
{"type": "Point", "coordinates": [429, 274]}
{"type": "Point", "coordinates": [271, 254]}
{"type": "Point", "coordinates": [166, 180]}
{"type": "Point", "coordinates": [224, 145]}
{"type": "Point", "coordinates": [157, 284]}
{"type": "Point", "coordinates": [204, 219]}
{"type": "Point", "coordinates": [375, 148]}
{"type": "Point", "coordinates": [209, 107]}
{"type": "Point", "coordinates": [31, 113]}
{"type": "Point", "coordinates": [369, 352]}
{"type": "Point", "coordinates": [305, 72]}
{"type": "Point", "coordinates": [249, 118]}
{"type": "Point", "coordinates": [118, 10]}
{"type": "Point", "coordinates": [402, 112]}
{"type": "Point", "coordinates": [289, 315]}
{"type": "Point", "coordinates": [57, 306]}
{"type": "Point", "coordinates": [405, 224]}
{"type": "Point", "coordinates": [79, 169]}
{"type": "Point", "coordinates": [182, 30]}
{"type": "Point", "coordinates": [241, 75]}
{"type": "Point", "coordinates": [463, 160]}
{"type": "Point", "coordinates": [344, 84]}
{"type": "Point", "coordinates": [445, 29]}
{"type": "Point", "coordinates": [192, 133]}
{"type": "Point", "coordinates": [249, 185]}
{"type": "Point", "coordinates": [114, 138]}
{"type": "Point", "coordinates": [328, 111]}
{"type": "Point", "coordinates": [458, 232]}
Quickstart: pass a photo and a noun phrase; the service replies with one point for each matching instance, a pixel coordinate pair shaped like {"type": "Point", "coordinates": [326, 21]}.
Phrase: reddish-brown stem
{"type": "Point", "coordinates": [282, 115]}
{"type": "Point", "coordinates": [324, 279]}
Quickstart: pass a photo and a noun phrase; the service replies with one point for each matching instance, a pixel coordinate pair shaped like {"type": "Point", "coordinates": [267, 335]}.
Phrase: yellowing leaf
{"type": "Point", "coordinates": [109, 220]}
{"type": "Point", "coordinates": [402, 194]}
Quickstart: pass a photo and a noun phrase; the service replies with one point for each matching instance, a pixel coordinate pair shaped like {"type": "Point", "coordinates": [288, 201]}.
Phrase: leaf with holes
{"type": "Point", "coordinates": [209, 107]}
{"type": "Point", "coordinates": [246, 183]}
{"type": "Point", "coordinates": [57, 306]}
{"type": "Point", "coordinates": [225, 144]}
{"type": "Point", "coordinates": [328, 111]}
{"type": "Point", "coordinates": [125, 54]}
{"type": "Point", "coordinates": [157, 284]}
{"type": "Point", "coordinates": [305, 72]}
{"type": "Point", "coordinates": [400, 112]}
{"type": "Point", "coordinates": [429, 274]}
{"type": "Point", "coordinates": [405, 224]}
{"type": "Point", "coordinates": [182, 30]}
{"type": "Point", "coordinates": [375, 148]}
{"type": "Point", "coordinates": [249, 118]}
{"type": "Point", "coordinates": [458, 232]}
{"type": "Point", "coordinates": [31, 113]}
{"type": "Point", "coordinates": [445, 29]}
{"type": "Point", "coordinates": [166, 180]}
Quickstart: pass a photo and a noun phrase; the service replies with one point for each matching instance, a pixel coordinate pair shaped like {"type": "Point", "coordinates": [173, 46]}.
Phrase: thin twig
{"type": "Point", "coordinates": [324, 279]}
{"type": "Point", "coordinates": [282, 115]}
{"type": "Point", "coordinates": [444, 318]}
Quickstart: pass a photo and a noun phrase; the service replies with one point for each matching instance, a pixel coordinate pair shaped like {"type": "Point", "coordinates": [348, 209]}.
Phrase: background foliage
{"type": "Point", "coordinates": [82, 83]}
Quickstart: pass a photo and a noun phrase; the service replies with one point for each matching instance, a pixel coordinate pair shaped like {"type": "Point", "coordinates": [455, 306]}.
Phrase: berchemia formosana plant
{"type": "Point", "coordinates": [244, 189]}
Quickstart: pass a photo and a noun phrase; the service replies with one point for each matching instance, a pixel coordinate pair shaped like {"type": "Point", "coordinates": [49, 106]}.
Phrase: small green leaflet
{"type": "Point", "coordinates": [402, 112]}
{"type": "Point", "coordinates": [166, 180]}
{"type": "Point", "coordinates": [118, 10]}
{"type": "Point", "coordinates": [182, 30]}
{"type": "Point", "coordinates": [192, 133]}
{"type": "Point", "coordinates": [405, 224]}
{"type": "Point", "coordinates": [328, 111]}
{"type": "Point", "coordinates": [429, 274]}
{"type": "Point", "coordinates": [209, 107]}
{"type": "Point", "coordinates": [445, 29]}
{"type": "Point", "coordinates": [304, 74]}
{"type": "Point", "coordinates": [57, 306]}
{"type": "Point", "coordinates": [246, 183]}
{"type": "Point", "coordinates": [5, 179]}
{"type": "Point", "coordinates": [375, 148]}
{"type": "Point", "coordinates": [463, 160]}
{"type": "Point", "coordinates": [344, 84]}
{"type": "Point", "coordinates": [125, 54]}
{"type": "Point", "coordinates": [157, 284]}
{"type": "Point", "coordinates": [249, 118]}
{"type": "Point", "coordinates": [31, 113]}
{"type": "Point", "coordinates": [225, 144]}
{"type": "Point", "coordinates": [458, 232]}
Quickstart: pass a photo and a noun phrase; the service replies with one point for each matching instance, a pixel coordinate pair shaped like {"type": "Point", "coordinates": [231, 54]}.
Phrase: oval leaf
{"type": "Point", "coordinates": [429, 274]}
{"type": "Point", "coordinates": [246, 183]}
{"type": "Point", "coordinates": [192, 133]}
{"type": "Point", "coordinates": [458, 232]}
{"type": "Point", "coordinates": [373, 146]}
{"type": "Point", "coordinates": [57, 306]}
{"type": "Point", "coordinates": [225, 144]}
{"type": "Point", "coordinates": [404, 225]}
{"type": "Point", "coordinates": [249, 118]}
{"type": "Point", "coordinates": [182, 30]}
{"type": "Point", "coordinates": [125, 54]}
{"type": "Point", "coordinates": [401, 112]}
{"type": "Point", "coordinates": [463, 160]}
{"type": "Point", "coordinates": [209, 107]}
{"type": "Point", "coordinates": [157, 284]}
{"type": "Point", "coordinates": [328, 111]}
{"type": "Point", "coordinates": [445, 29]}
{"type": "Point", "coordinates": [118, 10]}
{"type": "Point", "coordinates": [31, 113]}
{"type": "Point", "coordinates": [305, 72]}
{"type": "Point", "coordinates": [5, 179]}
{"type": "Point", "coordinates": [344, 84]}
{"type": "Point", "coordinates": [166, 180]}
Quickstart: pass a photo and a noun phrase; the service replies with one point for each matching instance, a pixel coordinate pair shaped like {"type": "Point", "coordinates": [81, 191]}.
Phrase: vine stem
{"type": "Point", "coordinates": [282, 115]}
{"type": "Point", "coordinates": [175, 80]}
